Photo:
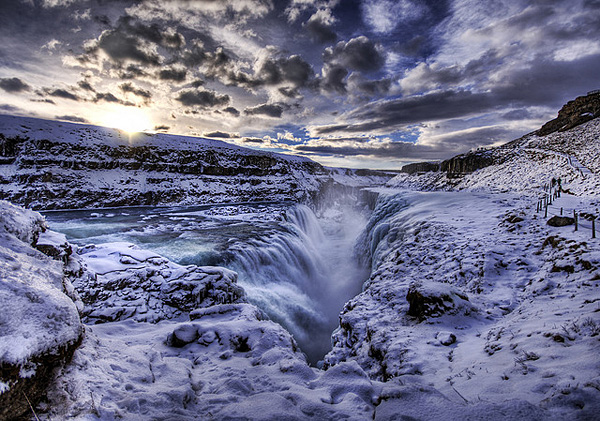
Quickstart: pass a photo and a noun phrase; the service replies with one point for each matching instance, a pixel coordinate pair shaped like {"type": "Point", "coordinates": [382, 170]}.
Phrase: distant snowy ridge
{"type": "Point", "coordinates": [523, 165]}
{"type": "Point", "coordinates": [56, 165]}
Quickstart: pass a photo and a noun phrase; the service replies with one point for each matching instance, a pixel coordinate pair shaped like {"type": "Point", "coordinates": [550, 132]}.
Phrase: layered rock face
{"type": "Point", "coordinates": [53, 165]}
{"type": "Point", "coordinates": [574, 113]}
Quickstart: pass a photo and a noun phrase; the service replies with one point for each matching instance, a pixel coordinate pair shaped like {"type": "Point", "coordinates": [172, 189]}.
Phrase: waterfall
{"type": "Point", "coordinates": [300, 276]}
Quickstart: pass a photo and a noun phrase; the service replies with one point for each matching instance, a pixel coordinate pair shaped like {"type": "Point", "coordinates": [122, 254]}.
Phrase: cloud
{"type": "Point", "coordinates": [383, 16]}
{"type": "Point", "coordinates": [357, 54]}
{"type": "Point", "coordinates": [269, 110]}
{"type": "Point", "coordinates": [388, 115]}
{"type": "Point", "coordinates": [357, 85]}
{"type": "Point", "coordinates": [202, 98]}
{"type": "Point", "coordinates": [292, 70]}
{"type": "Point", "coordinates": [10, 108]}
{"type": "Point", "coordinates": [176, 75]}
{"type": "Point", "coordinates": [86, 86]}
{"type": "Point", "coordinates": [221, 135]}
{"type": "Point", "coordinates": [73, 118]}
{"type": "Point", "coordinates": [109, 97]}
{"type": "Point", "coordinates": [13, 85]}
{"type": "Point", "coordinates": [319, 26]}
{"type": "Point", "coordinates": [254, 140]}
{"type": "Point", "coordinates": [161, 128]}
{"type": "Point", "coordinates": [62, 93]}
{"type": "Point", "coordinates": [129, 87]}
{"type": "Point", "coordinates": [333, 79]}
{"type": "Point", "coordinates": [119, 47]}
{"type": "Point", "coordinates": [231, 110]}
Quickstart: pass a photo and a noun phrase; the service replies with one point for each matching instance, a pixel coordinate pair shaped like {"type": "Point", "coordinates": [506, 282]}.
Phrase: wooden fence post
{"type": "Point", "coordinates": [546, 212]}
{"type": "Point", "coordinates": [575, 218]}
{"type": "Point", "coordinates": [594, 227]}
{"type": "Point", "coordinates": [561, 210]}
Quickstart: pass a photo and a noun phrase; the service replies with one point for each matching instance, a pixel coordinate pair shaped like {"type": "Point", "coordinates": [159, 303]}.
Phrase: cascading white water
{"type": "Point", "coordinates": [301, 276]}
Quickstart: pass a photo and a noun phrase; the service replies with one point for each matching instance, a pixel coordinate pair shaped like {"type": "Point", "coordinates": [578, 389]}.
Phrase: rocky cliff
{"type": "Point", "coordinates": [574, 113]}
{"type": "Point", "coordinates": [53, 165]}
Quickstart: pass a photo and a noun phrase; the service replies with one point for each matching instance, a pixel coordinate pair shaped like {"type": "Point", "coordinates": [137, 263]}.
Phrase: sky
{"type": "Point", "coordinates": [351, 83]}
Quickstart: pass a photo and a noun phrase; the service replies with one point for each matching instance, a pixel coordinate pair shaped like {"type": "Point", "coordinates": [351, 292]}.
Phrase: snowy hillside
{"type": "Point", "coordinates": [56, 165]}
{"type": "Point", "coordinates": [526, 164]}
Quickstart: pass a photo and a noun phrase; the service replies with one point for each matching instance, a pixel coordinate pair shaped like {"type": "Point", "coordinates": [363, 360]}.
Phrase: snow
{"type": "Point", "coordinates": [517, 322]}
{"type": "Point", "coordinates": [37, 317]}
{"type": "Point", "coordinates": [124, 281]}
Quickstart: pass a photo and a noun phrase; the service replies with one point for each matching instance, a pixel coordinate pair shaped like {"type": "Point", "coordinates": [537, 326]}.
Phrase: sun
{"type": "Point", "coordinates": [131, 120]}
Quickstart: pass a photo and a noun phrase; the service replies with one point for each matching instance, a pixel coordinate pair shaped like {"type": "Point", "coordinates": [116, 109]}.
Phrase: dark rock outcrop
{"type": "Point", "coordinates": [434, 300]}
{"type": "Point", "coordinates": [421, 167]}
{"type": "Point", "coordinates": [467, 163]}
{"type": "Point", "coordinates": [574, 113]}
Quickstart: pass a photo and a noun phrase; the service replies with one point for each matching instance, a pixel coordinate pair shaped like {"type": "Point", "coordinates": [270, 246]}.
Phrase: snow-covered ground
{"type": "Point", "coordinates": [474, 295]}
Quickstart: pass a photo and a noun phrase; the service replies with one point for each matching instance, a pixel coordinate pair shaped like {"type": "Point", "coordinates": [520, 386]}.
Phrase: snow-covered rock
{"type": "Point", "coordinates": [39, 323]}
{"type": "Point", "coordinates": [124, 281]}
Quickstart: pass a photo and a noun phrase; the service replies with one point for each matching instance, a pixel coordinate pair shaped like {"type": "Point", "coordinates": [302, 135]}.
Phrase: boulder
{"type": "Point", "coordinates": [560, 221]}
{"type": "Point", "coordinates": [435, 299]}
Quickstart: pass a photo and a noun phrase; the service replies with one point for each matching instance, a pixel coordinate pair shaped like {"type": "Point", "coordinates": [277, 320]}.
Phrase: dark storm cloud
{"type": "Point", "coordinates": [292, 70]}
{"type": "Point", "coordinates": [231, 110]}
{"type": "Point", "coordinates": [73, 118]}
{"type": "Point", "coordinates": [44, 101]}
{"type": "Point", "coordinates": [86, 86]}
{"type": "Point", "coordinates": [121, 47]}
{"type": "Point", "coordinates": [221, 135]}
{"type": "Point", "coordinates": [109, 97]}
{"type": "Point", "coordinates": [544, 82]}
{"type": "Point", "coordinates": [333, 79]}
{"type": "Point", "coordinates": [176, 75]}
{"type": "Point", "coordinates": [10, 108]}
{"type": "Point", "coordinates": [62, 93]}
{"type": "Point", "coordinates": [357, 54]}
{"type": "Point", "coordinates": [387, 151]}
{"type": "Point", "coordinates": [391, 114]}
{"type": "Point", "coordinates": [131, 40]}
{"type": "Point", "coordinates": [520, 114]}
{"type": "Point", "coordinates": [131, 88]}
{"type": "Point", "coordinates": [202, 98]}
{"type": "Point", "coordinates": [13, 85]}
{"type": "Point", "coordinates": [548, 82]}
{"type": "Point", "coordinates": [320, 30]}
{"type": "Point", "coordinates": [269, 110]}
{"type": "Point", "coordinates": [255, 140]}
{"type": "Point", "coordinates": [132, 72]}
{"type": "Point", "coordinates": [358, 84]}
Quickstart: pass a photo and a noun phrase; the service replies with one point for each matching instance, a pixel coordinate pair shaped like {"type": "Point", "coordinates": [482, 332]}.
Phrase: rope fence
{"type": "Point", "coordinates": [551, 192]}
